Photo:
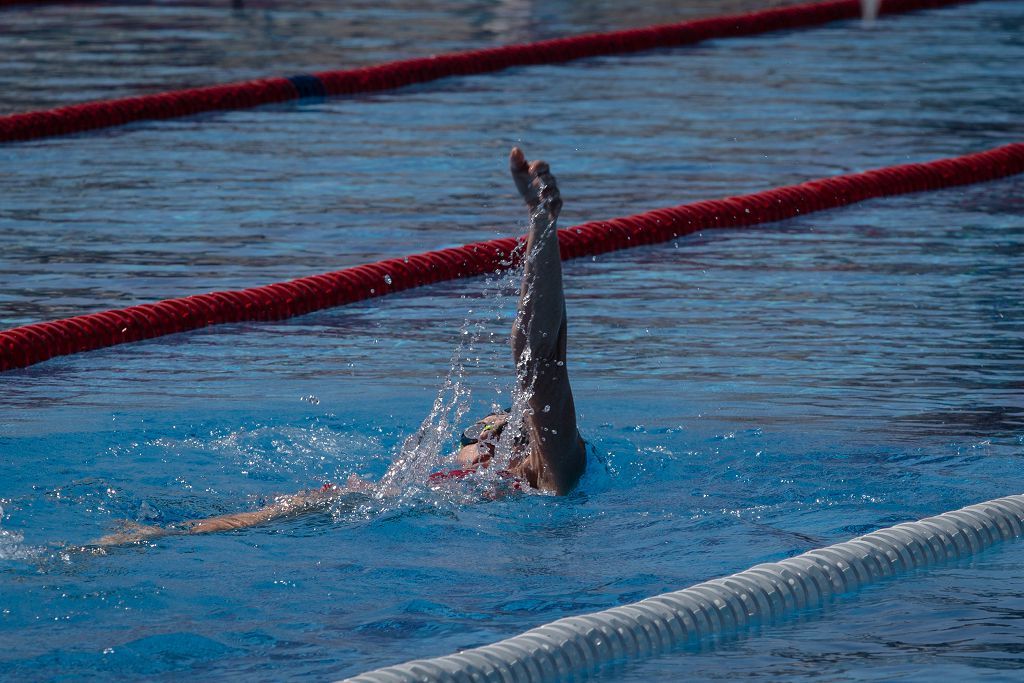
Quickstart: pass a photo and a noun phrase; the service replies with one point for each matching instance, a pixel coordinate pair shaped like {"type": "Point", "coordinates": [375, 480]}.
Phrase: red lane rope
{"type": "Point", "coordinates": [391, 75]}
{"type": "Point", "coordinates": [30, 344]}
{"type": "Point", "coordinates": [4, 3]}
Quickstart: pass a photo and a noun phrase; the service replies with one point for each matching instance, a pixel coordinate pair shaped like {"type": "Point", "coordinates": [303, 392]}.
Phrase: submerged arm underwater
{"type": "Point", "coordinates": [552, 456]}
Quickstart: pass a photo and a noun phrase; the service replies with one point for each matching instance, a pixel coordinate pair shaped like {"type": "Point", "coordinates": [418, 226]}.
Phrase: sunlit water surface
{"type": "Point", "coordinates": [750, 394]}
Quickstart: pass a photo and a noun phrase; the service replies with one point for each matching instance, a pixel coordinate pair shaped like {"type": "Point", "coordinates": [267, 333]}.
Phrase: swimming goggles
{"type": "Point", "coordinates": [484, 431]}
{"type": "Point", "coordinates": [490, 432]}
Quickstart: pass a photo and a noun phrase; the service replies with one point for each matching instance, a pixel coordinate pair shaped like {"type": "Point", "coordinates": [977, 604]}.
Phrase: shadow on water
{"type": "Point", "coordinates": [980, 421]}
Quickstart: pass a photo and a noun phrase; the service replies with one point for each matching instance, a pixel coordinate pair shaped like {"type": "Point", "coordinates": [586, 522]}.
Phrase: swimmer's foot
{"type": "Point", "coordinates": [536, 184]}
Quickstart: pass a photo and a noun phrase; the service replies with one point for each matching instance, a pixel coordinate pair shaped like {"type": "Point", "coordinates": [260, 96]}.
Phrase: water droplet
{"type": "Point", "coordinates": [554, 431]}
{"type": "Point", "coordinates": [560, 363]}
{"type": "Point", "coordinates": [547, 409]}
{"type": "Point", "coordinates": [108, 651]}
{"type": "Point", "coordinates": [387, 279]}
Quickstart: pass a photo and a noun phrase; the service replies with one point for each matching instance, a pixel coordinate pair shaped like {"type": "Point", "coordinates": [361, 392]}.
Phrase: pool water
{"type": "Point", "coordinates": [750, 394]}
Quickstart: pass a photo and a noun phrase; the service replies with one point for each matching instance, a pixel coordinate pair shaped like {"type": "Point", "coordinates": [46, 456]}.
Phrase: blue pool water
{"type": "Point", "coordinates": [752, 394]}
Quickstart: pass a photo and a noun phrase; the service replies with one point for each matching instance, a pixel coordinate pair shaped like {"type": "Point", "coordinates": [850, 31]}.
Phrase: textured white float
{"type": "Point", "coordinates": [765, 593]}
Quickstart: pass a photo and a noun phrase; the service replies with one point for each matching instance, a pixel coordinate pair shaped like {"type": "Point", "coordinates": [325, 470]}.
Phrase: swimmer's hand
{"type": "Point", "coordinates": [536, 184]}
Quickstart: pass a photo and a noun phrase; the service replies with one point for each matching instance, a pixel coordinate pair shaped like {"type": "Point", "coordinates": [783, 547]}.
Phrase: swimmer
{"type": "Point", "coordinates": [548, 456]}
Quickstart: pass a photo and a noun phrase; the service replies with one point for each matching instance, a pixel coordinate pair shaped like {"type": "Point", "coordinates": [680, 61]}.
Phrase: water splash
{"type": "Point", "coordinates": [278, 453]}
{"type": "Point", "coordinates": [12, 544]}
{"type": "Point", "coordinates": [267, 452]}
{"type": "Point", "coordinates": [869, 11]}
{"type": "Point", "coordinates": [428, 450]}
{"type": "Point", "coordinates": [12, 547]}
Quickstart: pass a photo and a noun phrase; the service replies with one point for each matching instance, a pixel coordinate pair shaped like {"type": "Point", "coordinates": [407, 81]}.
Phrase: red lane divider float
{"type": "Point", "coordinates": [4, 3]}
{"type": "Point", "coordinates": [243, 95]}
{"type": "Point", "coordinates": [30, 344]}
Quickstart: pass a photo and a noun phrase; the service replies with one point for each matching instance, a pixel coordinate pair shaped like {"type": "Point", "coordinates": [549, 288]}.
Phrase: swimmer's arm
{"type": "Point", "coordinates": [541, 299]}
{"type": "Point", "coordinates": [134, 533]}
{"type": "Point", "coordinates": [287, 506]}
{"type": "Point", "coordinates": [557, 458]}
